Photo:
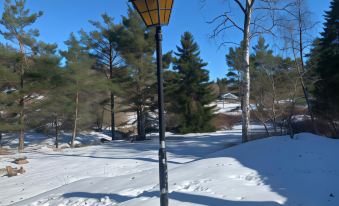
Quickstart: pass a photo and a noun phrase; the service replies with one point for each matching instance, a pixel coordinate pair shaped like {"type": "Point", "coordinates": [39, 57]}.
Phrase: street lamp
{"type": "Point", "coordinates": [156, 13]}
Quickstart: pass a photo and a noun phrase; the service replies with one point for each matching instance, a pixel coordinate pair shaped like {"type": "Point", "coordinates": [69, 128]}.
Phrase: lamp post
{"type": "Point", "coordinates": [156, 13]}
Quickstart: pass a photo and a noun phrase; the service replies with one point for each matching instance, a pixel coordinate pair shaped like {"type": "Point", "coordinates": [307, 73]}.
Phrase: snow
{"type": "Point", "coordinates": [229, 96]}
{"type": "Point", "coordinates": [228, 108]}
{"type": "Point", "coordinates": [48, 169]}
{"type": "Point", "coordinates": [268, 172]}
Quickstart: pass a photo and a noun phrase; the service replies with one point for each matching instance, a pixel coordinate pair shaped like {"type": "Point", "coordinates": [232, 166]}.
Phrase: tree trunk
{"type": "Point", "coordinates": [246, 74]}
{"type": "Point", "coordinates": [291, 132]}
{"type": "Point", "coordinates": [273, 105]}
{"type": "Point", "coordinates": [141, 126]}
{"type": "Point", "coordinates": [22, 101]}
{"type": "Point", "coordinates": [142, 136]}
{"type": "Point", "coordinates": [301, 74]}
{"type": "Point", "coordinates": [112, 94]}
{"type": "Point", "coordinates": [112, 116]}
{"type": "Point", "coordinates": [334, 127]}
{"type": "Point", "coordinates": [138, 124]}
{"type": "Point", "coordinates": [266, 128]}
{"type": "Point", "coordinates": [22, 131]}
{"type": "Point", "coordinates": [75, 119]}
{"type": "Point", "coordinates": [100, 119]}
{"type": "Point", "coordinates": [0, 139]}
{"type": "Point", "coordinates": [56, 132]}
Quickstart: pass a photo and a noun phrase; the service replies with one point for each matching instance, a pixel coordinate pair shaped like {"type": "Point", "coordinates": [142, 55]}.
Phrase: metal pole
{"type": "Point", "coordinates": [163, 175]}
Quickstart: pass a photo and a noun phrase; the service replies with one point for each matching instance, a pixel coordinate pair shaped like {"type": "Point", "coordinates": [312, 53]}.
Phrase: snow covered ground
{"type": "Point", "coordinates": [48, 169]}
{"type": "Point", "coordinates": [227, 108]}
{"type": "Point", "coordinates": [230, 108]}
{"type": "Point", "coordinates": [269, 172]}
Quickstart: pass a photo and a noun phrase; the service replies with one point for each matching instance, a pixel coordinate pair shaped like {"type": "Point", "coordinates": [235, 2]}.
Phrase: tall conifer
{"type": "Point", "coordinates": [327, 88]}
{"type": "Point", "coordinates": [189, 89]}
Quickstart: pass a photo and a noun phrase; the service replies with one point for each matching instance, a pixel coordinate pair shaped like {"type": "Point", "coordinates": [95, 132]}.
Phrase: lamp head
{"type": "Point", "coordinates": [154, 12]}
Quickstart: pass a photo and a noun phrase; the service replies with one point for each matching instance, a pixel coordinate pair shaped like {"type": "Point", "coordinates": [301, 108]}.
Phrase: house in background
{"type": "Point", "coordinates": [229, 98]}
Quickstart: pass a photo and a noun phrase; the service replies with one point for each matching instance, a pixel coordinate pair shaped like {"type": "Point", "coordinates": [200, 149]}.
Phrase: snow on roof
{"type": "Point", "coordinates": [229, 96]}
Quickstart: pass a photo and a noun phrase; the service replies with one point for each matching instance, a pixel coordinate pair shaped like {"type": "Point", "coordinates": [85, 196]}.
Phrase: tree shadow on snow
{"type": "Point", "coordinates": [179, 146]}
{"type": "Point", "coordinates": [178, 196]}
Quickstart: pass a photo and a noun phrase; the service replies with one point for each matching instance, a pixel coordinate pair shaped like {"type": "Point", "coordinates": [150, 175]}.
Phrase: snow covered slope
{"type": "Point", "coordinates": [48, 169]}
{"type": "Point", "coordinates": [269, 172]}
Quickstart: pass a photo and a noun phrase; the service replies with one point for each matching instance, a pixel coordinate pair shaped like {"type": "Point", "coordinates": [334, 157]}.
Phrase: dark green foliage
{"type": "Point", "coordinates": [311, 75]}
{"type": "Point", "coordinates": [137, 47]}
{"type": "Point", "coordinates": [17, 22]}
{"type": "Point", "coordinates": [103, 45]}
{"type": "Point", "coordinates": [273, 82]}
{"type": "Point", "coordinates": [222, 85]}
{"type": "Point", "coordinates": [326, 91]}
{"type": "Point", "coordinates": [189, 90]}
{"type": "Point", "coordinates": [82, 84]}
{"type": "Point", "coordinates": [9, 96]}
{"type": "Point", "coordinates": [235, 64]}
{"type": "Point", "coordinates": [16, 19]}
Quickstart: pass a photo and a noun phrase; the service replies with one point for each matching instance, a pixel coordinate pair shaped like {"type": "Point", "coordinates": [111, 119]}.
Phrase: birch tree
{"type": "Point", "coordinates": [258, 17]}
{"type": "Point", "coordinates": [298, 25]}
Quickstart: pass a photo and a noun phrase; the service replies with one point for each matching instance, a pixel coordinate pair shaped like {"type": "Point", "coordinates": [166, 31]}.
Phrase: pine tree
{"type": "Point", "coordinates": [137, 47]}
{"type": "Point", "coordinates": [103, 45]}
{"type": "Point", "coordinates": [222, 85]}
{"type": "Point", "coordinates": [17, 20]}
{"type": "Point", "coordinates": [82, 83]}
{"type": "Point", "coordinates": [266, 89]}
{"type": "Point", "coordinates": [8, 94]}
{"type": "Point", "coordinates": [189, 89]}
{"type": "Point", "coordinates": [235, 64]}
{"type": "Point", "coordinates": [326, 91]}
{"type": "Point", "coordinates": [55, 107]}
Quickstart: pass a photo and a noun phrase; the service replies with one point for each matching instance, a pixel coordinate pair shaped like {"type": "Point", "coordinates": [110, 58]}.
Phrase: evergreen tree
{"type": "Point", "coordinates": [137, 48]}
{"type": "Point", "coordinates": [326, 91]}
{"type": "Point", "coordinates": [313, 56]}
{"type": "Point", "coordinates": [235, 64]}
{"type": "Point", "coordinates": [17, 20]}
{"type": "Point", "coordinates": [222, 85]}
{"type": "Point", "coordinates": [8, 93]}
{"type": "Point", "coordinates": [103, 45]}
{"type": "Point", "coordinates": [55, 107]}
{"type": "Point", "coordinates": [189, 88]}
{"type": "Point", "coordinates": [82, 81]}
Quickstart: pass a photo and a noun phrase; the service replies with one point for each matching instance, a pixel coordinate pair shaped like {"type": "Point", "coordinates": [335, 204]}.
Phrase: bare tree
{"type": "Point", "coordinates": [258, 17]}
{"type": "Point", "coordinates": [297, 26]}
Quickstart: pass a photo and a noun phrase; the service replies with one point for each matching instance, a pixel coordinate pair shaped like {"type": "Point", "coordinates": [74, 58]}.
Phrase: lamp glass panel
{"type": "Point", "coordinates": [141, 6]}
{"type": "Point", "coordinates": [152, 4]}
{"type": "Point", "coordinates": [149, 11]}
{"type": "Point", "coordinates": [154, 16]}
{"type": "Point", "coordinates": [146, 18]}
{"type": "Point", "coordinates": [162, 16]}
{"type": "Point", "coordinates": [169, 4]}
{"type": "Point", "coordinates": [163, 4]}
{"type": "Point", "coordinates": [167, 16]}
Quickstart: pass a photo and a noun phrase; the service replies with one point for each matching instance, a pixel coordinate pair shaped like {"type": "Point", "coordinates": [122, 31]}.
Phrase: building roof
{"type": "Point", "coordinates": [229, 96]}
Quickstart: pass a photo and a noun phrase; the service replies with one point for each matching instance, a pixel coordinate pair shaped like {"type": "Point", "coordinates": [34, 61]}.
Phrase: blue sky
{"type": "Point", "coordinates": [61, 17]}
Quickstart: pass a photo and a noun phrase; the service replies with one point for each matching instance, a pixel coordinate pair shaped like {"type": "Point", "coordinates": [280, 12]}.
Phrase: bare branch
{"type": "Point", "coordinates": [241, 6]}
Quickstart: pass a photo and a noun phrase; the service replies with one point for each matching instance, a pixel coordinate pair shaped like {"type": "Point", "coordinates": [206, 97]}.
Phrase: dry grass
{"type": "Point", "coordinates": [4, 151]}
{"type": "Point", "coordinates": [323, 128]}
{"type": "Point", "coordinates": [224, 121]}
